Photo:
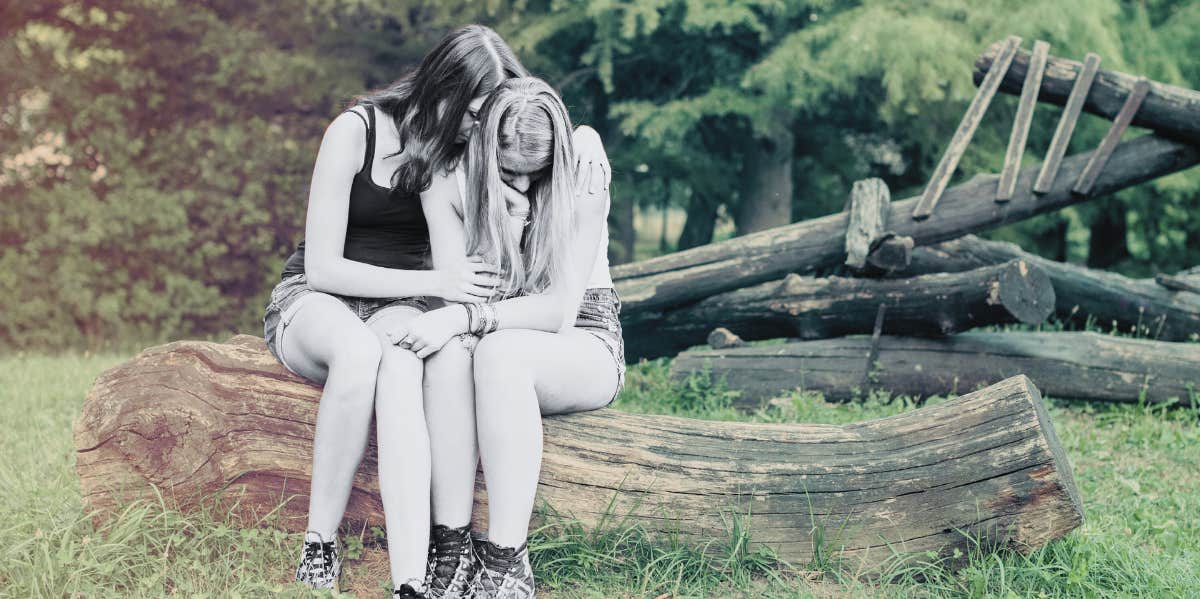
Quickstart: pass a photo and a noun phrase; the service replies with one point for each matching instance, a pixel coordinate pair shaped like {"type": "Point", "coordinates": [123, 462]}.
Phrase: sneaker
{"type": "Point", "coordinates": [506, 573]}
{"type": "Point", "coordinates": [320, 564]}
{"type": "Point", "coordinates": [407, 591]}
{"type": "Point", "coordinates": [452, 566]}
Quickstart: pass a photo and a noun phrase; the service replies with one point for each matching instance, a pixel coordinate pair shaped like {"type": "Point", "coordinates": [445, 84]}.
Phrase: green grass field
{"type": "Point", "coordinates": [1138, 470]}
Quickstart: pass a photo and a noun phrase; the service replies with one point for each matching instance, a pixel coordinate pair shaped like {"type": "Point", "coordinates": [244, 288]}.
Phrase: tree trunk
{"type": "Point", "coordinates": [700, 223]}
{"type": "Point", "coordinates": [1140, 305]}
{"type": "Point", "coordinates": [197, 418]}
{"type": "Point", "coordinates": [1084, 365]}
{"type": "Point", "coordinates": [697, 273]}
{"type": "Point", "coordinates": [818, 308]}
{"type": "Point", "coordinates": [1106, 247]}
{"type": "Point", "coordinates": [766, 201]}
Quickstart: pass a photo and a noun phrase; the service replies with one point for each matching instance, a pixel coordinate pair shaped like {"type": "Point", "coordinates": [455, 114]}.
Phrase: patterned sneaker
{"type": "Point", "coordinates": [452, 566]}
{"type": "Point", "coordinates": [320, 564]}
{"type": "Point", "coordinates": [408, 591]}
{"type": "Point", "coordinates": [506, 572]}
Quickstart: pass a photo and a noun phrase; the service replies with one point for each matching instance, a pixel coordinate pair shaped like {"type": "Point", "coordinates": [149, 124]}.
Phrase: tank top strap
{"type": "Point", "coordinates": [370, 158]}
{"type": "Point", "coordinates": [369, 123]}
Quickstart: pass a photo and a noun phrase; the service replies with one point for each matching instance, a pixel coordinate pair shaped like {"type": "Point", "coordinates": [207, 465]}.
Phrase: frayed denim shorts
{"type": "Point", "coordinates": [288, 295]}
{"type": "Point", "coordinates": [599, 314]}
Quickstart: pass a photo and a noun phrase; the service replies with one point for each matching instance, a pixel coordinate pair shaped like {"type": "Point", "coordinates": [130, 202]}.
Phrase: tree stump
{"type": "Point", "coordinates": [195, 418]}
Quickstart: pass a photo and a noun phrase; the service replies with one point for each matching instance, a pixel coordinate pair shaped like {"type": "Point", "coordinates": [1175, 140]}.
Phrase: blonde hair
{"type": "Point", "coordinates": [526, 115]}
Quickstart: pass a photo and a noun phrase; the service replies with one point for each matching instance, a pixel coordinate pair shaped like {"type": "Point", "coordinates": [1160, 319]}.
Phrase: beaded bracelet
{"type": "Point", "coordinates": [493, 322]}
{"type": "Point", "coordinates": [478, 322]}
{"type": "Point", "coordinates": [470, 323]}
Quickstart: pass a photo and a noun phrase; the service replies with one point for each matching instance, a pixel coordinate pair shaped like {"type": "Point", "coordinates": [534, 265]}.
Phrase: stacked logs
{"type": "Point", "coordinates": [881, 295]}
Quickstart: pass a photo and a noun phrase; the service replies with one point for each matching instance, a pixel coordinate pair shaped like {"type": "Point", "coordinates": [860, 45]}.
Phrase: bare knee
{"type": "Point", "coordinates": [355, 363]}
{"type": "Point", "coordinates": [452, 362]}
{"type": "Point", "coordinates": [498, 361]}
{"type": "Point", "coordinates": [399, 376]}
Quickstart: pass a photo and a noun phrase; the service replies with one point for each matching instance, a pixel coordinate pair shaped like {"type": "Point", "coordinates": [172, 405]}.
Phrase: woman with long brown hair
{"type": "Point", "coordinates": [364, 268]}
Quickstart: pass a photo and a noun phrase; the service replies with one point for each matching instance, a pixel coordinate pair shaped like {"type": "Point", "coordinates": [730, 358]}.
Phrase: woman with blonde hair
{"type": "Point", "coordinates": [548, 342]}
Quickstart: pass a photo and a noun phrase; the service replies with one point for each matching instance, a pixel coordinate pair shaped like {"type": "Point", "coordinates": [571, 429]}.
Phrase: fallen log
{"type": "Point", "coordinates": [1169, 110]}
{"type": "Point", "coordinates": [697, 273]}
{"type": "Point", "coordinates": [194, 418]}
{"type": "Point", "coordinates": [819, 308]}
{"type": "Point", "coordinates": [1083, 365]}
{"type": "Point", "coordinates": [1141, 305]}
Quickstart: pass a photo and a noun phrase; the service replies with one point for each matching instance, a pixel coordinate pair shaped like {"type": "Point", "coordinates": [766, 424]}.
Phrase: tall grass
{"type": "Point", "coordinates": [1137, 467]}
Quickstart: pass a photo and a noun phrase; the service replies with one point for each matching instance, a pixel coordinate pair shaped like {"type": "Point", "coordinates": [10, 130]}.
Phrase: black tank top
{"type": "Point", "coordinates": [385, 227]}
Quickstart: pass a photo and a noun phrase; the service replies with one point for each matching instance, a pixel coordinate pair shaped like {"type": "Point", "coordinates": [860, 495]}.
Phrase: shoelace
{"type": "Point", "coordinates": [447, 553]}
{"type": "Point", "coordinates": [319, 560]}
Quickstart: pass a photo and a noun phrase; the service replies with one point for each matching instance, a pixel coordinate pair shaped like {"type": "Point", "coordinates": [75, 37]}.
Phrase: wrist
{"type": "Point", "coordinates": [435, 283]}
{"type": "Point", "coordinates": [462, 319]}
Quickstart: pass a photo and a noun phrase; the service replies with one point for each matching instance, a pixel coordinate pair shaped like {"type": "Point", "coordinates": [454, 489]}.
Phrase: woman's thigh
{"type": "Point", "coordinates": [572, 371]}
{"type": "Point", "coordinates": [323, 329]}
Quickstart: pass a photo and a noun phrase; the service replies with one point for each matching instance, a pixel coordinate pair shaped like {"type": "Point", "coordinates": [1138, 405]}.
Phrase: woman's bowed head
{"type": "Point", "coordinates": [453, 80]}
{"type": "Point", "coordinates": [519, 167]}
{"type": "Point", "coordinates": [524, 194]}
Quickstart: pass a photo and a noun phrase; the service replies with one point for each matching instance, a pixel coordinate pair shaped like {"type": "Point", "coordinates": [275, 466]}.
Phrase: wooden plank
{"type": "Point", "coordinates": [1086, 366]}
{"type": "Point", "coordinates": [1020, 130]}
{"type": "Point", "coordinates": [868, 209]}
{"type": "Point", "coordinates": [1169, 110]}
{"type": "Point", "coordinates": [966, 129]}
{"type": "Point", "coordinates": [873, 354]}
{"type": "Point", "coordinates": [649, 286]}
{"type": "Point", "coordinates": [1066, 124]}
{"type": "Point", "coordinates": [1083, 185]}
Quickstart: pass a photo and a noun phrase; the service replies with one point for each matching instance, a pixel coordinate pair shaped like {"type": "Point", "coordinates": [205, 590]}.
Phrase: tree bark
{"type": "Point", "coordinates": [1169, 110]}
{"type": "Point", "coordinates": [1140, 305]}
{"type": "Point", "coordinates": [196, 418]}
{"type": "Point", "coordinates": [1106, 246]}
{"type": "Point", "coordinates": [697, 273]}
{"type": "Point", "coordinates": [766, 201]}
{"type": "Point", "coordinates": [700, 223]}
{"type": "Point", "coordinates": [818, 308]}
{"type": "Point", "coordinates": [1085, 365]}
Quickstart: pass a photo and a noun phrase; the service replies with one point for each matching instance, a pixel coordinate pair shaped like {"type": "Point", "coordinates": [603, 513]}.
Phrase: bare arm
{"type": "Point", "coordinates": [447, 241]}
{"type": "Point", "coordinates": [555, 309]}
{"type": "Point", "coordinates": [327, 269]}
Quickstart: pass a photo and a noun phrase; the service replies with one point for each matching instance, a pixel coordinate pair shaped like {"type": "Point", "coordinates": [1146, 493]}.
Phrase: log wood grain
{"type": "Point", "coordinates": [194, 418]}
{"type": "Point", "coordinates": [697, 273]}
{"type": "Point", "coordinates": [1064, 365]}
{"type": "Point", "coordinates": [822, 307]}
{"type": "Point", "coordinates": [1144, 305]}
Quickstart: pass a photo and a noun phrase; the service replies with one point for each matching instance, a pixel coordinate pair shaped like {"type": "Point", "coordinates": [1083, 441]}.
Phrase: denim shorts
{"type": "Point", "coordinates": [286, 299]}
{"type": "Point", "coordinates": [599, 315]}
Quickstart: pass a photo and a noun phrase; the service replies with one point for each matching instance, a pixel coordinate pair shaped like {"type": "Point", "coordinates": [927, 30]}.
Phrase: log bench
{"type": "Point", "coordinates": [191, 419]}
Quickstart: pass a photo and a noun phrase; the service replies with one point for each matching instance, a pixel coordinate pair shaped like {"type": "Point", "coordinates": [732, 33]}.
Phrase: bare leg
{"type": "Point", "coordinates": [450, 414]}
{"type": "Point", "coordinates": [519, 376]}
{"type": "Point", "coordinates": [403, 444]}
{"type": "Point", "coordinates": [327, 343]}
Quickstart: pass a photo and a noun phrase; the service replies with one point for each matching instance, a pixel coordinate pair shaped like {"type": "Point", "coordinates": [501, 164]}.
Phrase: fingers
{"type": "Point", "coordinates": [583, 177]}
{"type": "Point", "coordinates": [596, 177]}
{"type": "Point", "coordinates": [397, 334]}
{"type": "Point", "coordinates": [607, 169]}
{"type": "Point", "coordinates": [483, 280]}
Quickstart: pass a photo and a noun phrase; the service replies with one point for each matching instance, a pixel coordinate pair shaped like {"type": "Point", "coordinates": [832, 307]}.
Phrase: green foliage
{"type": "Point", "coordinates": [154, 157]}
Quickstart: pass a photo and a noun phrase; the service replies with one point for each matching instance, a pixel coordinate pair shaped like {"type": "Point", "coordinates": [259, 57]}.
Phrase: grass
{"type": "Point", "coordinates": [1137, 467]}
